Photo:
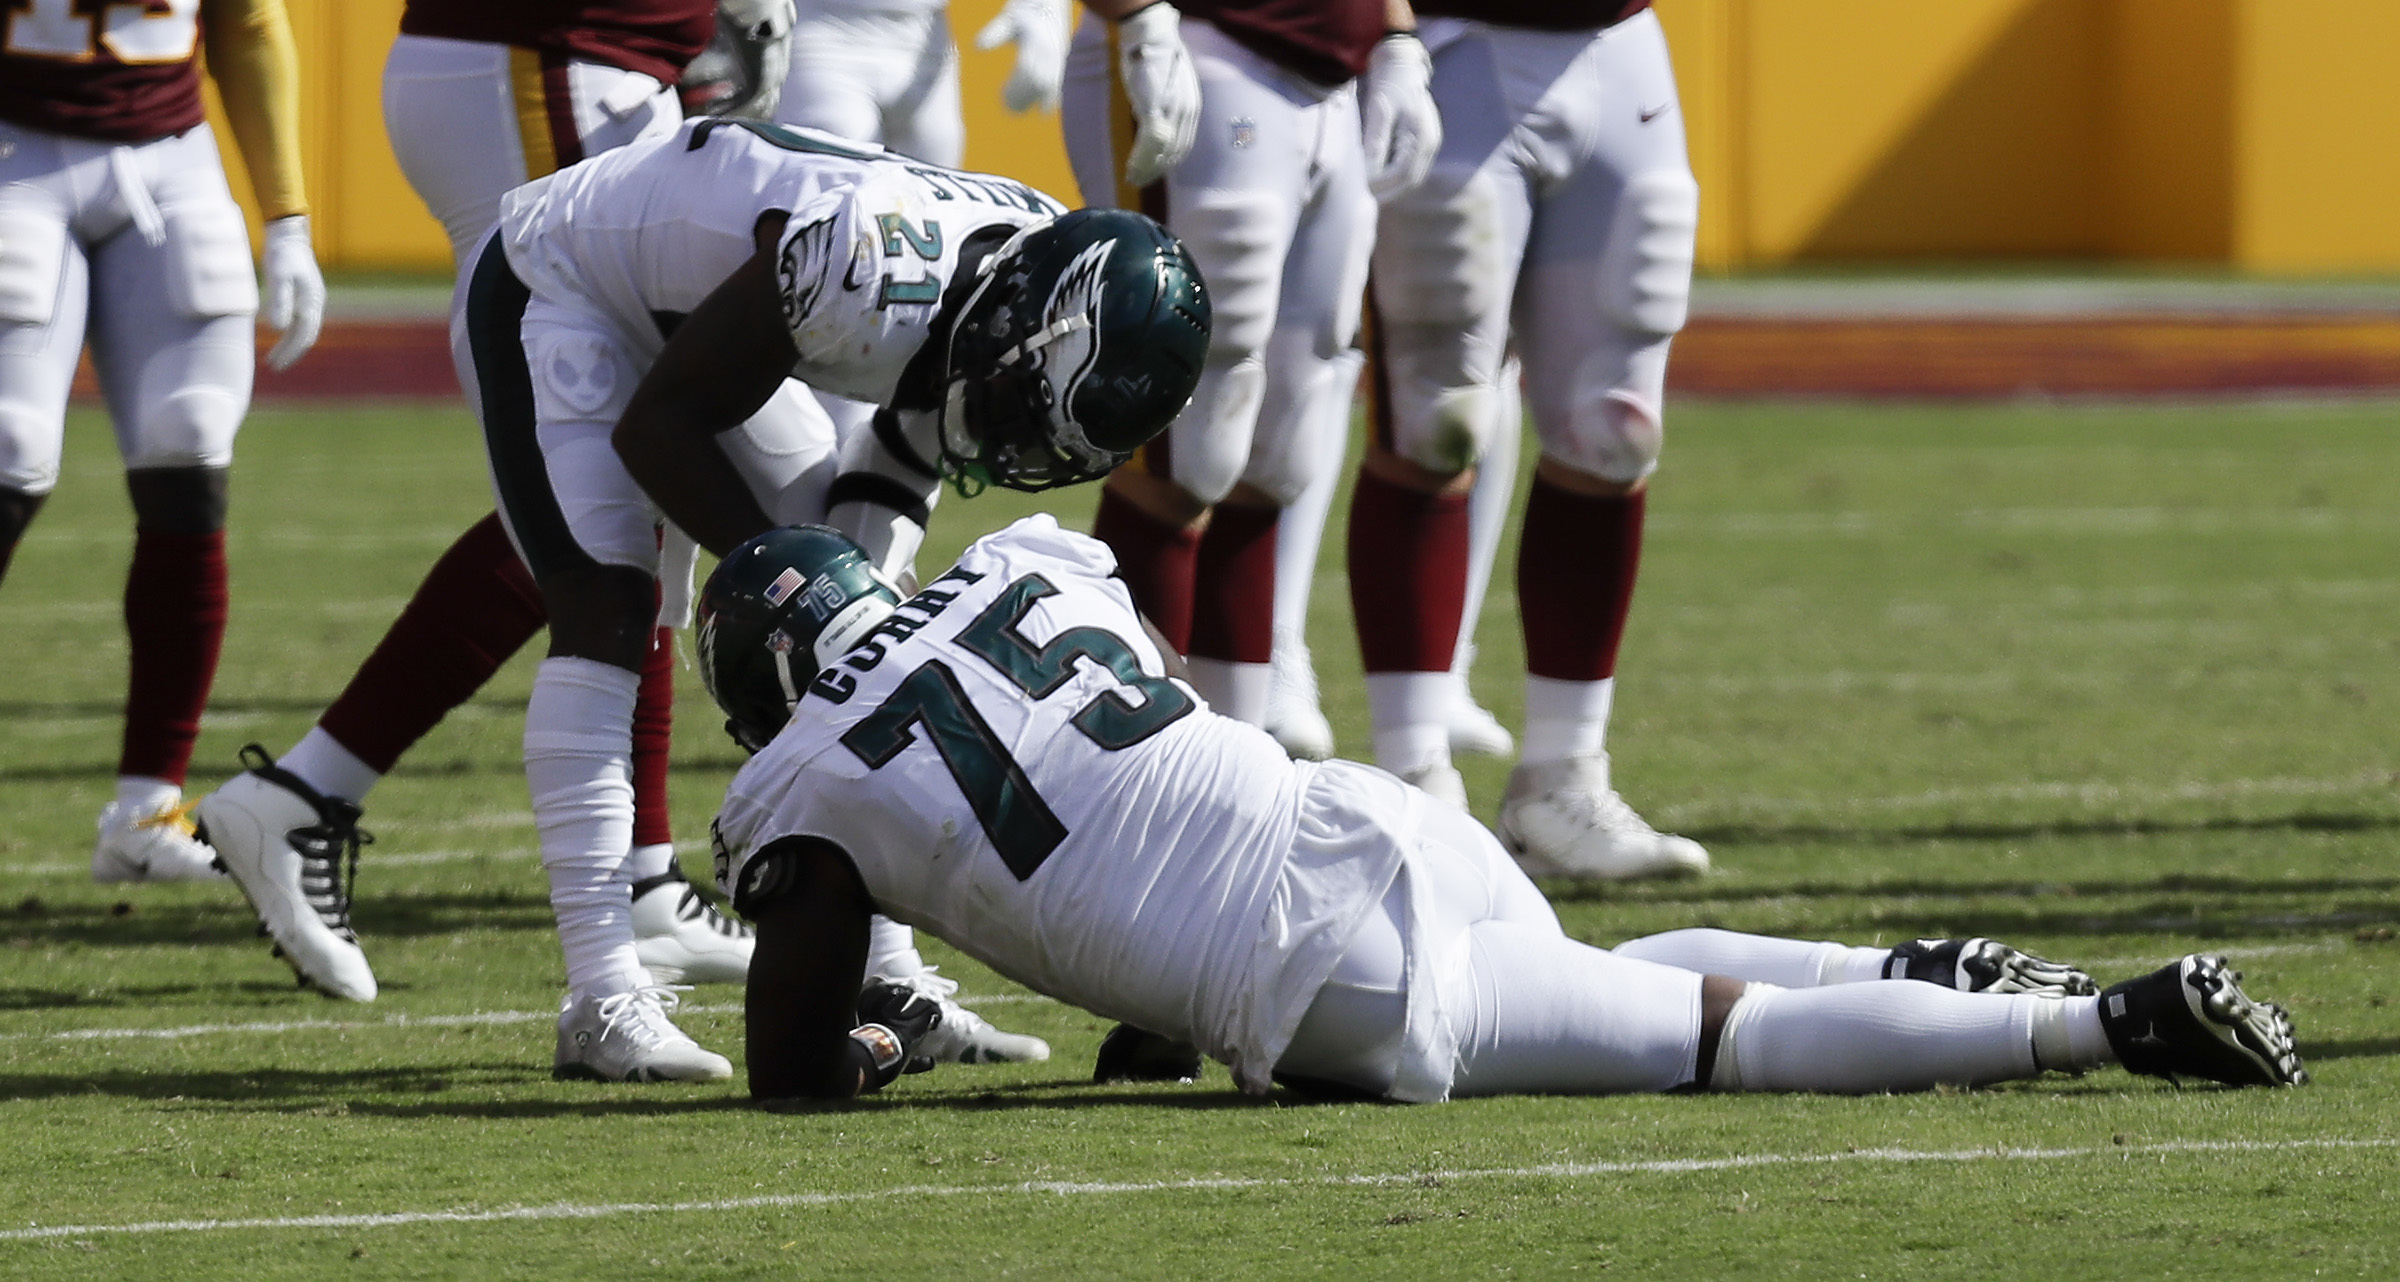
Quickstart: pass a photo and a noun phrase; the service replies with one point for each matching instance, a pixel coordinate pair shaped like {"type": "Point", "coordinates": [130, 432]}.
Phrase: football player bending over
{"type": "Point", "coordinates": [1008, 761]}
{"type": "Point", "coordinates": [631, 326]}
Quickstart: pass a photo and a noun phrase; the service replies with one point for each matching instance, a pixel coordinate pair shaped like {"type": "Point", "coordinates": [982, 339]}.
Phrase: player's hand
{"type": "Point", "coordinates": [1039, 28]}
{"type": "Point", "coordinates": [753, 52]}
{"type": "Point", "coordinates": [903, 1016]}
{"type": "Point", "coordinates": [295, 291]}
{"type": "Point", "coordinates": [1163, 88]}
{"type": "Point", "coordinates": [1396, 113]}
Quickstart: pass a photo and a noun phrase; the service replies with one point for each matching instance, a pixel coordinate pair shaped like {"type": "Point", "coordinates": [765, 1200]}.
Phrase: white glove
{"type": "Point", "coordinates": [752, 53]}
{"type": "Point", "coordinates": [295, 291]}
{"type": "Point", "coordinates": [1039, 28]}
{"type": "Point", "coordinates": [1163, 88]}
{"type": "Point", "coordinates": [1396, 114]}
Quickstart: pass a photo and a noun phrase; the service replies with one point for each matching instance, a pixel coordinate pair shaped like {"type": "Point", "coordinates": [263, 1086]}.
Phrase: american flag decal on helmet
{"type": "Point", "coordinates": [784, 586]}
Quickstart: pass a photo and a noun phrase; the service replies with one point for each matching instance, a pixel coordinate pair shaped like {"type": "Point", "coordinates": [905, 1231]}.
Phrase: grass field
{"type": "Point", "coordinates": [2109, 683]}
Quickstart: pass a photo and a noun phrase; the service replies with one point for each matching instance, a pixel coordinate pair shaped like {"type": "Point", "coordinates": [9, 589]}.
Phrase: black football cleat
{"type": "Point", "coordinates": [1986, 966]}
{"type": "Point", "coordinates": [1129, 1054]}
{"type": "Point", "coordinates": [2190, 1018]}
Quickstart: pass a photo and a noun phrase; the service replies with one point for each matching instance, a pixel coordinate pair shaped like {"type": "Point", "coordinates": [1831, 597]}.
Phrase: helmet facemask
{"type": "Point", "coordinates": [1012, 370]}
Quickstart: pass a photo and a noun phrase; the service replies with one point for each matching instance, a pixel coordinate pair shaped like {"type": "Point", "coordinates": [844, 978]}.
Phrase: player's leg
{"type": "Point", "coordinates": [458, 115]}
{"type": "Point", "coordinates": [1472, 726]}
{"type": "Point", "coordinates": [1976, 965]}
{"type": "Point", "coordinates": [1594, 316]}
{"type": "Point", "coordinates": [1445, 270]}
{"type": "Point", "coordinates": [172, 340]}
{"type": "Point", "coordinates": [591, 539]}
{"type": "Point", "coordinates": [1234, 202]}
{"type": "Point", "coordinates": [923, 119]}
{"type": "Point", "coordinates": [468, 121]}
{"type": "Point", "coordinates": [44, 290]}
{"type": "Point", "coordinates": [1323, 270]}
{"type": "Point", "coordinates": [839, 60]}
{"type": "Point", "coordinates": [1294, 716]}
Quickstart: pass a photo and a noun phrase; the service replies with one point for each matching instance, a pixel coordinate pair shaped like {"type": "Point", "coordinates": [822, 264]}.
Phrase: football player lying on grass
{"type": "Point", "coordinates": [1008, 761]}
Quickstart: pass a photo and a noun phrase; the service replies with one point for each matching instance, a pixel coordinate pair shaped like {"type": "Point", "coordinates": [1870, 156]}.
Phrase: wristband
{"type": "Point", "coordinates": [884, 1055]}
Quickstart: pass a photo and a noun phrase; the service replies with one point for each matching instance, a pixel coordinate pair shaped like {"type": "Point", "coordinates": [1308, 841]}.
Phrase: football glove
{"type": "Point", "coordinates": [740, 74]}
{"type": "Point", "coordinates": [1162, 87]}
{"type": "Point", "coordinates": [1397, 118]}
{"type": "Point", "coordinates": [892, 1020]}
{"type": "Point", "coordinates": [1039, 29]}
{"type": "Point", "coordinates": [295, 301]}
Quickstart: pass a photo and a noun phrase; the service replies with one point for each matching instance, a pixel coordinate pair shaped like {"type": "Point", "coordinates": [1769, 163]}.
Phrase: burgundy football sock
{"type": "Point", "coordinates": [1575, 569]}
{"type": "Point", "coordinates": [477, 607]}
{"type": "Point", "coordinates": [1233, 585]}
{"type": "Point", "coordinates": [1157, 562]}
{"type": "Point", "coordinates": [175, 626]}
{"type": "Point", "coordinates": [653, 722]}
{"type": "Point", "coordinates": [1408, 574]}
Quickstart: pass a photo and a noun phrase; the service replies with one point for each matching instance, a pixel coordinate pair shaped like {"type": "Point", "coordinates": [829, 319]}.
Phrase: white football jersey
{"type": "Point", "coordinates": [648, 230]}
{"type": "Point", "coordinates": [1008, 770]}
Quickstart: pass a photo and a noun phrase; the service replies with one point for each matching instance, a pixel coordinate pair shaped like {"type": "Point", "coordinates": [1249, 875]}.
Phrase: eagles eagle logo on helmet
{"type": "Point", "coordinates": [1082, 338]}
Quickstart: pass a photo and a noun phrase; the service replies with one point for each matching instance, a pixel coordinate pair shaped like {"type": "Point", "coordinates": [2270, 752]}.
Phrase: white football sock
{"type": "Point", "coordinates": [1236, 690]}
{"type": "Point", "coordinates": [324, 764]}
{"type": "Point", "coordinates": [1411, 712]}
{"type": "Point", "coordinates": [645, 862]}
{"type": "Point", "coordinates": [141, 795]}
{"type": "Point", "coordinates": [579, 765]}
{"type": "Point", "coordinates": [1566, 718]}
{"type": "Point", "coordinates": [1785, 963]}
{"type": "Point", "coordinates": [1864, 1038]}
{"type": "Point", "coordinates": [891, 949]}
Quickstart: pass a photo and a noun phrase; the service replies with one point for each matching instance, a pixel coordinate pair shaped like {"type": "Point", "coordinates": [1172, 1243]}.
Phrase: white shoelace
{"type": "Point", "coordinates": [641, 1014]}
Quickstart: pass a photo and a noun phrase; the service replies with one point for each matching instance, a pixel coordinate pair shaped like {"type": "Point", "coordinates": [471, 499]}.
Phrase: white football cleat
{"type": "Point", "coordinates": [682, 938]}
{"type": "Point", "coordinates": [285, 844]}
{"type": "Point", "coordinates": [1293, 715]}
{"type": "Point", "coordinates": [627, 1037]}
{"type": "Point", "coordinates": [1561, 819]}
{"type": "Point", "coordinates": [1441, 781]}
{"type": "Point", "coordinates": [1472, 726]}
{"type": "Point", "coordinates": [963, 1037]}
{"type": "Point", "coordinates": [151, 845]}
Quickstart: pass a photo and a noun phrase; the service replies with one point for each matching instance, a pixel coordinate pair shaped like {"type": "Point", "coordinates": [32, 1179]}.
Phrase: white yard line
{"type": "Point", "coordinates": [1063, 1189]}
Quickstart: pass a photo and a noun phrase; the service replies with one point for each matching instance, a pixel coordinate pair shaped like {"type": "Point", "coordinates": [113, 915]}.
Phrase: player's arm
{"type": "Point", "coordinates": [256, 64]}
{"type": "Point", "coordinates": [722, 364]}
{"type": "Point", "coordinates": [811, 912]}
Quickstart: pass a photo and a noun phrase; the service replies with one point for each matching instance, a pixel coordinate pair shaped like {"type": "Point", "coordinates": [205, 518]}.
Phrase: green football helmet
{"type": "Point", "coordinates": [774, 613]}
{"type": "Point", "coordinates": [1082, 338]}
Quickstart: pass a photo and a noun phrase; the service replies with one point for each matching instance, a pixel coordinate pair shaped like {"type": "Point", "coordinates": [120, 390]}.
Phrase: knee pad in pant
{"type": "Point", "coordinates": [191, 426]}
{"type": "Point", "coordinates": [1442, 272]}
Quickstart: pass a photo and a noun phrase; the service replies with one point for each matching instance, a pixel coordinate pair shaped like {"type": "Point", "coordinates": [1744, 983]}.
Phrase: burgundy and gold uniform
{"type": "Point", "coordinates": [1273, 203]}
{"type": "Point", "coordinates": [1558, 222]}
{"type": "Point", "coordinates": [1324, 40]}
{"type": "Point", "coordinates": [116, 226]}
{"type": "Point", "coordinates": [654, 37]}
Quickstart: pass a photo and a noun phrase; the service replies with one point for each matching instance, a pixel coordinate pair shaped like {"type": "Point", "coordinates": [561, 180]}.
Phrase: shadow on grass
{"type": "Point", "coordinates": [2356, 1048]}
{"type": "Point", "coordinates": [1060, 1095]}
{"type": "Point", "coordinates": [275, 1087]}
{"type": "Point", "coordinates": [2133, 826]}
{"type": "Point", "coordinates": [393, 917]}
